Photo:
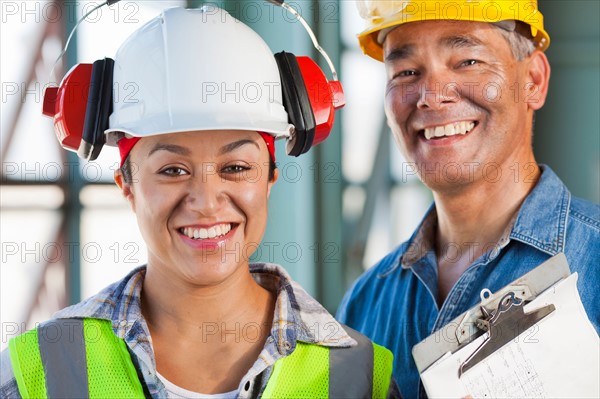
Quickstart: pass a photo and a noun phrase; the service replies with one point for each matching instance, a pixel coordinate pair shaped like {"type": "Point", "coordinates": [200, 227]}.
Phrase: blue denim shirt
{"type": "Point", "coordinates": [395, 302]}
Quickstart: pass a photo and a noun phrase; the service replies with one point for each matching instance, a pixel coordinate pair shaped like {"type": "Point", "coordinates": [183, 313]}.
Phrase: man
{"type": "Point", "coordinates": [463, 84]}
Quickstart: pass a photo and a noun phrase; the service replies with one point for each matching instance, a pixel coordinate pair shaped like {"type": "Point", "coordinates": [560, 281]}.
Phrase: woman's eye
{"type": "Point", "coordinates": [173, 171]}
{"type": "Point", "coordinates": [235, 168]}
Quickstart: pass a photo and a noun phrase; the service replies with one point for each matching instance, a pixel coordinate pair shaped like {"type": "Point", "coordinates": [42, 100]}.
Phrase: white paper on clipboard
{"type": "Point", "coordinates": [557, 357]}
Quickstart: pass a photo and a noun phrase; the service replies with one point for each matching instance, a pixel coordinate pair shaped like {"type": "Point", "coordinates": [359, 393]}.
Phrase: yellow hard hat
{"type": "Point", "coordinates": [382, 14]}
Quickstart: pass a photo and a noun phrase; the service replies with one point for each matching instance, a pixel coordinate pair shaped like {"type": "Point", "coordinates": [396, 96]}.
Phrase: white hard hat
{"type": "Point", "coordinates": [198, 69]}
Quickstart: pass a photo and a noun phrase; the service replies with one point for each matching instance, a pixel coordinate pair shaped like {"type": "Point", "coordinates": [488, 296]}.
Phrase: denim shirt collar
{"type": "Point", "coordinates": [547, 204]}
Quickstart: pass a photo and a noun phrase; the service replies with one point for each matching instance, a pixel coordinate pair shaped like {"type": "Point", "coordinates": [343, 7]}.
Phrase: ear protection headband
{"type": "Point", "coordinates": [82, 103]}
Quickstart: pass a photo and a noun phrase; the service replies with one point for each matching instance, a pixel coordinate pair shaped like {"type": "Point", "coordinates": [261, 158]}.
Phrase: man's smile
{"type": "Point", "coordinates": [450, 129]}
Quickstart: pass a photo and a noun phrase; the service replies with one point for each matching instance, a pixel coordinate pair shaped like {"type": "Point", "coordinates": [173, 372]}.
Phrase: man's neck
{"type": "Point", "coordinates": [473, 220]}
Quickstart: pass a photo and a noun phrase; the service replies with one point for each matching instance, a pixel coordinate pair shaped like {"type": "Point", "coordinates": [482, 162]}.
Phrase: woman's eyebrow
{"type": "Point", "coordinates": [235, 145]}
{"type": "Point", "coordinates": [177, 149]}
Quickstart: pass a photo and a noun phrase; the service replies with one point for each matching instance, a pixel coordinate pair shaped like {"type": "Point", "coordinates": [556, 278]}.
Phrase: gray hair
{"type": "Point", "coordinates": [518, 37]}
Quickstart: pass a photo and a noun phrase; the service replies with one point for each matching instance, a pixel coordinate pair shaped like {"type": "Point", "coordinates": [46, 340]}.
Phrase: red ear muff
{"type": "Point", "coordinates": [309, 99]}
{"type": "Point", "coordinates": [80, 107]}
{"type": "Point", "coordinates": [325, 97]}
{"type": "Point", "coordinates": [296, 103]}
{"type": "Point", "coordinates": [67, 105]}
{"type": "Point", "coordinates": [99, 107]}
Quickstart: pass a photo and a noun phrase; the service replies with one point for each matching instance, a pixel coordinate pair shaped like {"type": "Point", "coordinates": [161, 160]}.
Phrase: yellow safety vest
{"type": "Point", "coordinates": [83, 358]}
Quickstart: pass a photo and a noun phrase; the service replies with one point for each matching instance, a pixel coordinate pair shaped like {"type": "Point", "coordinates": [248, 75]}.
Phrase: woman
{"type": "Point", "coordinates": [197, 167]}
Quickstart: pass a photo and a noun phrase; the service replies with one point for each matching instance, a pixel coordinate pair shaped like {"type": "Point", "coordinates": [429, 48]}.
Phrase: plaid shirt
{"type": "Point", "coordinates": [298, 317]}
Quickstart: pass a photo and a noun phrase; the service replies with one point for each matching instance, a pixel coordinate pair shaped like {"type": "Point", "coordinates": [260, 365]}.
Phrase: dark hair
{"type": "Point", "coordinates": [126, 170]}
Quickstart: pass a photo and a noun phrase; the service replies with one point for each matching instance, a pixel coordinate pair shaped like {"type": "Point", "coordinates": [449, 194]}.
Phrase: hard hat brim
{"type": "Point", "coordinates": [277, 129]}
{"type": "Point", "coordinates": [467, 13]}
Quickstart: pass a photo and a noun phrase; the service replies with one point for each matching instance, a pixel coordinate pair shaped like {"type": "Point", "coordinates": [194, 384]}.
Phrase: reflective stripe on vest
{"type": "Point", "coordinates": [363, 371]}
{"type": "Point", "coordinates": [73, 358]}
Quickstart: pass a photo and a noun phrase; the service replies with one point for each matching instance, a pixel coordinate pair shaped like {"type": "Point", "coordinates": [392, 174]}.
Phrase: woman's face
{"type": "Point", "coordinates": [201, 201]}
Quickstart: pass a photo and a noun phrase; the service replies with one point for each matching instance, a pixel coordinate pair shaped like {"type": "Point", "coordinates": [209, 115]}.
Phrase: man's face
{"type": "Point", "coordinates": [457, 100]}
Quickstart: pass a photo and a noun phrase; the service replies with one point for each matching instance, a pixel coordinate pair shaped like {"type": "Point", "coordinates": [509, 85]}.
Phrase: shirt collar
{"type": "Point", "coordinates": [540, 222]}
{"type": "Point", "coordinates": [298, 316]}
{"type": "Point", "coordinates": [120, 303]}
{"type": "Point", "coordinates": [542, 219]}
{"type": "Point", "coordinates": [422, 241]}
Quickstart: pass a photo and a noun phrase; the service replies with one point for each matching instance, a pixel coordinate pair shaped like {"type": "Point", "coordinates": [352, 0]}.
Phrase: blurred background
{"type": "Point", "coordinates": [66, 232]}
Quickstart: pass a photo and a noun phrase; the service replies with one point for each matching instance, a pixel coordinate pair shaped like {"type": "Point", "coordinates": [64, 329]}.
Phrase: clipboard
{"type": "Point", "coordinates": [463, 329]}
{"type": "Point", "coordinates": [505, 324]}
{"type": "Point", "coordinates": [483, 351]}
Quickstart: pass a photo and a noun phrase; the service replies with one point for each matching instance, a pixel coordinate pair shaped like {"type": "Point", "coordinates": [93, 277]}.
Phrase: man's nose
{"type": "Point", "coordinates": [436, 91]}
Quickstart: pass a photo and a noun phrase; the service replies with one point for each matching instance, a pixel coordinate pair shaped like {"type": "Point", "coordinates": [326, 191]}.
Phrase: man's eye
{"type": "Point", "coordinates": [469, 62]}
{"type": "Point", "coordinates": [173, 171]}
{"type": "Point", "coordinates": [408, 72]}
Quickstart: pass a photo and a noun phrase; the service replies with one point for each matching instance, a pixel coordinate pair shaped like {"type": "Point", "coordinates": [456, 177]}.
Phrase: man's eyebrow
{"type": "Point", "coordinates": [460, 41]}
{"type": "Point", "coordinates": [235, 145]}
{"type": "Point", "coordinates": [455, 41]}
{"type": "Point", "coordinates": [400, 53]}
{"type": "Point", "coordinates": [177, 149]}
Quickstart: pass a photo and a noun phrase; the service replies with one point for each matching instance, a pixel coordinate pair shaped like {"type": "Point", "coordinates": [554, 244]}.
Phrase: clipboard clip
{"type": "Point", "coordinates": [503, 325]}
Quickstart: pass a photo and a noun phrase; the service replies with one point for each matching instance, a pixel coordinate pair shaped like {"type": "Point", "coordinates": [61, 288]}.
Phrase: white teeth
{"type": "Point", "coordinates": [449, 130]}
{"type": "Point", "coordinates": [212, 232]}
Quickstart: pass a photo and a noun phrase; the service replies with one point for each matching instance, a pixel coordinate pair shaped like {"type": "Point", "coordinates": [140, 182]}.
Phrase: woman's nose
{"type": "Point", "coordinates": [206, 190]}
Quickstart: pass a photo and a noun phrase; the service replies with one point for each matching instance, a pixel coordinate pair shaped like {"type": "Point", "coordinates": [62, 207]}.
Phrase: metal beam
{"type": "Point", "coordinates": [73, 187]}
{"type": "Point", "coordinates": [328, 178]}
{"type": "Point", "coordinates": [31, 75]}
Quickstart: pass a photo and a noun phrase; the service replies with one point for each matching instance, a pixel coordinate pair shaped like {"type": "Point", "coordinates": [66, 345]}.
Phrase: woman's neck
{"type": "Point", "coordinates": [219, 329]}
{"type": "Point", "coordinates": [168, 302]}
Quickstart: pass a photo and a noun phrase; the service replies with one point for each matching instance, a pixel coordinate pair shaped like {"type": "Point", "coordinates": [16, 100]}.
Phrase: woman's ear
{"type": "Point", "coordinates": [126, 188]}
{"type": "Point", "coordinates": [538, 80]}
{"type": "Point", "coordinates": [272, 181]}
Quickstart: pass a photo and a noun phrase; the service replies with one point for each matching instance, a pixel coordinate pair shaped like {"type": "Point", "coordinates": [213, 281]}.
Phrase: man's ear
{"type": "Point", "coordinates": [271, 182]}
{"type": "Point", "coordinates": [536, 88]}
{"type": "Point", "coordinates": [126, 188]}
